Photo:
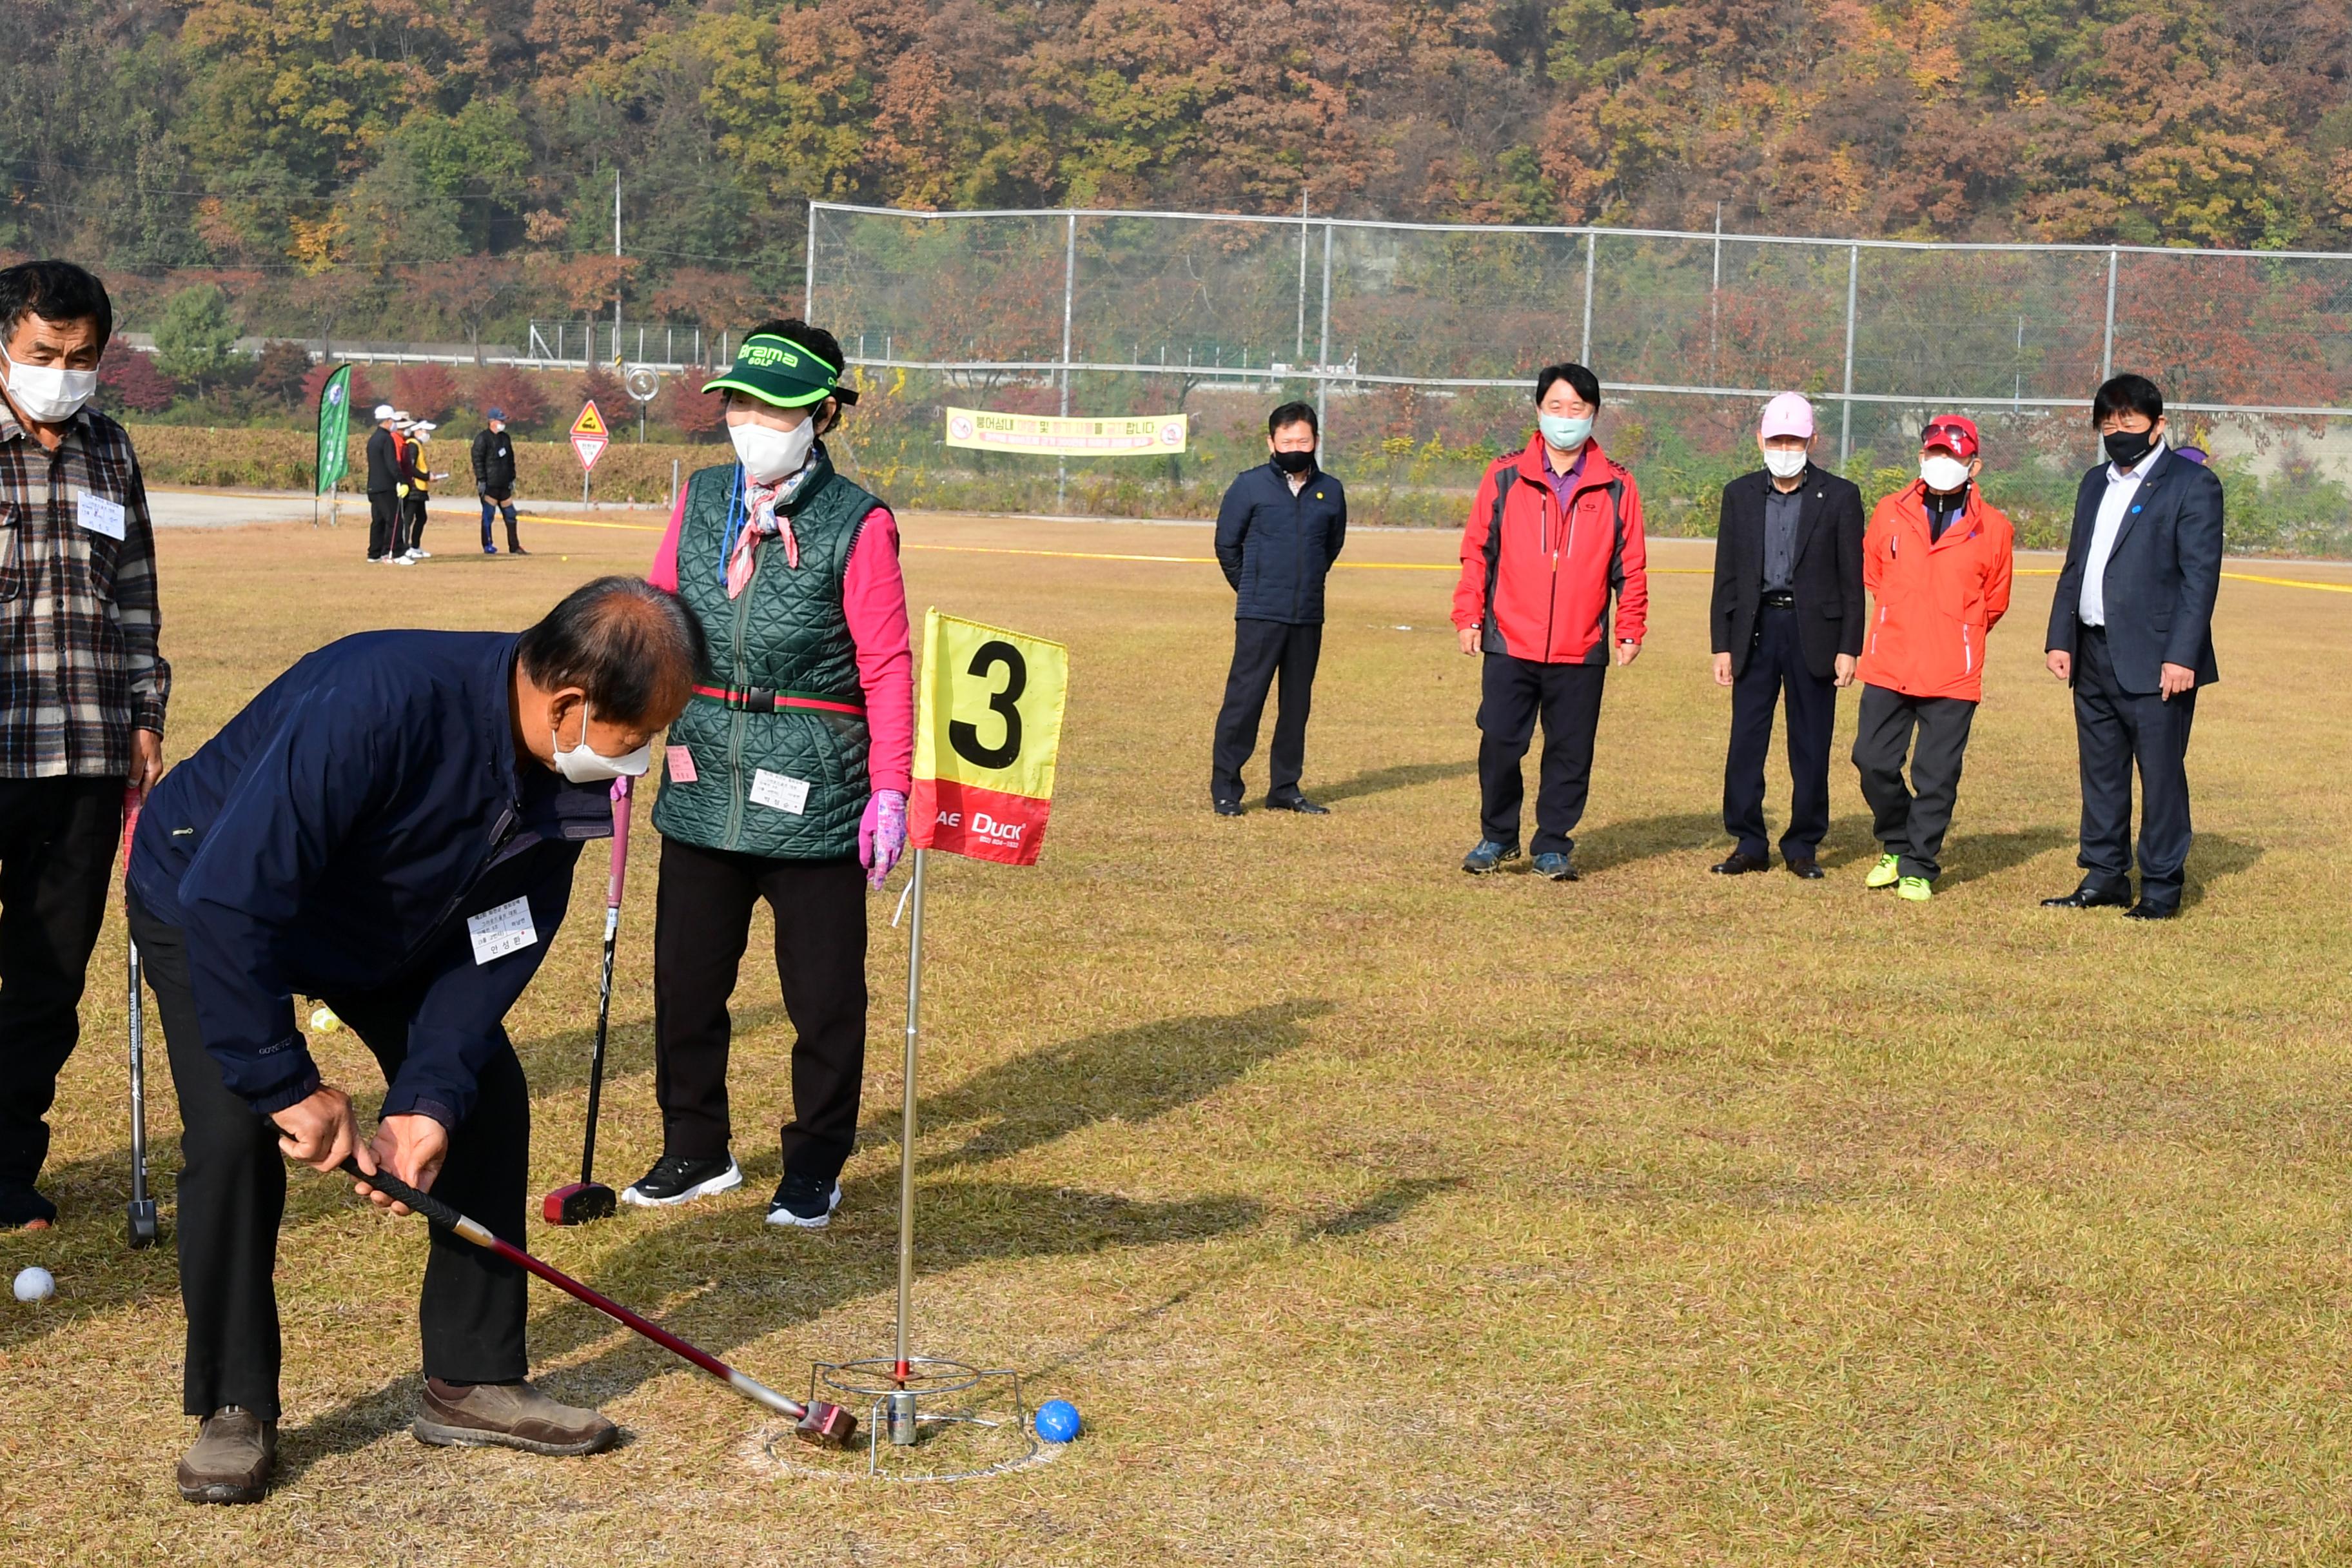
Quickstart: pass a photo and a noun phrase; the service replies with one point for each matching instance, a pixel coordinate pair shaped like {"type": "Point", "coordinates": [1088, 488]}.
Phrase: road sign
{"type": "Point", "coordinates": [643, 383]}
{"type": "Point", "coordinates": [589, 435]}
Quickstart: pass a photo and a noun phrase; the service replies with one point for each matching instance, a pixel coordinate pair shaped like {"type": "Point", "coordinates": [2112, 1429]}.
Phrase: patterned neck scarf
{"type": "Point", "coordinates": [764, 521]}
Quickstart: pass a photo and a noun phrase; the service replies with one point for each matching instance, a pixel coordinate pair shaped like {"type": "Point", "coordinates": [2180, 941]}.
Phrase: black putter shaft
{"type": "Point", "coordinates": [826, 1426]}
{"type": "Point", "coordinates": [140, 1213]}
{"type": "Point", "coordinates": [587, 1199]}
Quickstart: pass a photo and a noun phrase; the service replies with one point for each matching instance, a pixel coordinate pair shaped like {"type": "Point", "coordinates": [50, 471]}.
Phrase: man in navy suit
{"type": "Point", "coordinates": [2132, 630]}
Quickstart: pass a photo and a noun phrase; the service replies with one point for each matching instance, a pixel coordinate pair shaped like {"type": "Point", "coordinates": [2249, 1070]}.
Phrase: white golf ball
{"type": "Point", "coordinates": [324, 1022]}
{"type": "Point", "coordinates": [36, 1284]}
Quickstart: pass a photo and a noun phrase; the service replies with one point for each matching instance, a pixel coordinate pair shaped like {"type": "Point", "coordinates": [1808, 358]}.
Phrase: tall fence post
{"type": "Point", "coordinates": [1069, 287]}
{"type": "Point", "coordinates": [2107, 343]}
{"type": "Point", "coordinates": [1323, 340]}
{"type": "Point", "coordinates": [1301, 351]}
{"type": "Point", "coordinates": [1591, 255]}
{"type": "Point", "coordinates": [808, 286]}
{"type": "Point", "coordinates": [1846, 400]}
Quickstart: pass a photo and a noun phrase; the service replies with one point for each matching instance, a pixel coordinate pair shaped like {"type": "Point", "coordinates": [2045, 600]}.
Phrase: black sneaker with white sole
{"type": "Point", "coordinates": [804, 1200]}
{"type": "Point", "coordinates": [681, 1179]}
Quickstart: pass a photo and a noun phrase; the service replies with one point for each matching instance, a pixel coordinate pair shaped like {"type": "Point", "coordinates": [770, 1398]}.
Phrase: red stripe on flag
{"type": "Point", "coordinates": [982, 824]}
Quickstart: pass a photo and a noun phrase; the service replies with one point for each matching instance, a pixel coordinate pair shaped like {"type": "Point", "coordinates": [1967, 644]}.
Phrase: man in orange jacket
{"type": "Point", "coordinates": [1555, 532]}
{"type": "Point", "coordinates": [1937, 560]}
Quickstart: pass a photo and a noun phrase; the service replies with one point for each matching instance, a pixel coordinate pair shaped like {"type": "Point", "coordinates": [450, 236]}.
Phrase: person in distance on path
{"type": "Point", "coordinates": [1554, 535]}
{"type": "Point", "coordinates": [1937, 557]}
{"type": "Point", "coordinates": [390, 826]}
{"type": "Point", "coordinates": [786, 778]}
{"type": "Point", "coordinates": [2131, 629]}
{"type": "Point", "coordinates": [1787, 625]}
{"type": "Point", "coordinates": [1279, 529]}
{"type": "Point", "coordinates": [386, 483]}
{"type": "Point", "coordinates": [82, 719]}
{"type": "Point", "coordinates": [493, 480]}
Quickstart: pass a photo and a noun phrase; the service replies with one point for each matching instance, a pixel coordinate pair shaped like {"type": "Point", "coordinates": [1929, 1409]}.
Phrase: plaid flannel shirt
{"type": "Point", "coordinates": [78, 669]}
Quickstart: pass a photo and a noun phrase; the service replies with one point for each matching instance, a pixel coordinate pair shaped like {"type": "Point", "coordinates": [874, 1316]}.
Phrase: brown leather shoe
{"type": "Point", "coordinates": [508, 1415]}
{"type": "Point", "coordinates": [235, 1452]}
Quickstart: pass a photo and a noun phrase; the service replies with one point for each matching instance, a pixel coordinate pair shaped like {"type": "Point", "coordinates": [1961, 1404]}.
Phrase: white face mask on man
{"type": "Point", "coordinates": [1943, 473]}
{"type": "Point", "coordinates": [769, 454]}
{"type": "Point", "coordinates": [584, 764]}
{"type": "Point", "coordinates": [1785, 462]}
{"type": "Point", "coordinates": [48, 394]}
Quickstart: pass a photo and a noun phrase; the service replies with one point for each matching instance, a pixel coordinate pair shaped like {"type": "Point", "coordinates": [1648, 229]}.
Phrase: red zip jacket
{"type": "Point", "coordinates": [1538, 584]}
{"type": "Point", "coordinates": [1937, 598]}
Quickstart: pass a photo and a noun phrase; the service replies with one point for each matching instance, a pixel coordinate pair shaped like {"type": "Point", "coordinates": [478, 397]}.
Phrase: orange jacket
{"type": "Point", "coordinates": [1539, 586]}
{"type": "Point", "coordinates": [1937, 598]}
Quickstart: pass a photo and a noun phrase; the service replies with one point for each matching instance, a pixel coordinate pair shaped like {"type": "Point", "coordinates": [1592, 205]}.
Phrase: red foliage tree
{"type": "Point", "coordinates": [685, 408]}
{"type": "Point", "coordinates": [364, 396]}
{"type": "Point", "coordinates": [612, 399]}
{"type": "Point", "coordinates": [129, 380]}
{"type": "Point", "coordinates": [513, 390]}
{"type": "Point", "coordinates": [426, 390]}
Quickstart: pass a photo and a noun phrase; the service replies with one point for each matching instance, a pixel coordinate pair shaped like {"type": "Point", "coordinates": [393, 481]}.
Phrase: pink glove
{"type": "Point", "coordinates": [882, 835]}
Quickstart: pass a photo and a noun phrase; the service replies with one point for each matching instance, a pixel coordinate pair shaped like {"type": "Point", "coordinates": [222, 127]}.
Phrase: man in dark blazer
{"type": "Point", "coordinates": [1787, 625]}
{"type": "Point", "coordinates": [2131, 629]}
{"type": "Point", "coordinates": [1280, 528]}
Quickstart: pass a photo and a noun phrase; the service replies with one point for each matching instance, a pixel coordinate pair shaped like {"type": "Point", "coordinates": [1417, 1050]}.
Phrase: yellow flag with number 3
{"type": "Point", "coordinates": [988, 729]}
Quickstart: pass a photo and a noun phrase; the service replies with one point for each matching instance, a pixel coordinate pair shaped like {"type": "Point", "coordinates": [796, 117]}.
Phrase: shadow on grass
{"type": "Point", "coordinates": [1646, 838]}
{"type": "Point", "coordinates": [1383, 1208]}
{"type": "Point", "coordinates": [1404, 775]}
{"type": "Point", "coordinates": [1127, 1075]}
{"type": "Point", "coordinates": [2212, 858]}
{"type": "Point", "coordinates": [1975, 854]}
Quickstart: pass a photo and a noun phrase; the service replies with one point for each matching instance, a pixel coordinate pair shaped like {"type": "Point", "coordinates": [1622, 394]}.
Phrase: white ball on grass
{"type": "Point", "coordinates": [36, 1284]}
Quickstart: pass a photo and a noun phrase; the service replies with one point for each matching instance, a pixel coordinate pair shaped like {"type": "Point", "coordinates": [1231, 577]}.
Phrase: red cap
{"type": "Point", "coordinates": [1955, 432]}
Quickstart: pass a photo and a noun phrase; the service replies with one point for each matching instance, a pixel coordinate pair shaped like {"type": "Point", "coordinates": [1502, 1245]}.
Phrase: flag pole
{"type": "Point", "coordinates": [907, 1127]}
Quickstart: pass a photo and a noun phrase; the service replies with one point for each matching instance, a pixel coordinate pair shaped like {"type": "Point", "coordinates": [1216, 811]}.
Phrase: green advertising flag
{"type": "Point", "coordinates": [335, 429]}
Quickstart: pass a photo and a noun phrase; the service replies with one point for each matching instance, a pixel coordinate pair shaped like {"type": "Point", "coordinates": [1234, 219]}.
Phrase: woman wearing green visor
{"type": "Point", "coordinates": [786, 778]}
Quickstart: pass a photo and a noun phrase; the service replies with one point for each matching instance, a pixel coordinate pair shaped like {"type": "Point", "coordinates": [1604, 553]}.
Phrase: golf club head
{"type": "Point", "coordinates": [578, 1202]}
{"type": "Point", "coordinates": [827, 1427]}
{"type": "Point", "coordinates": [145, 1230]}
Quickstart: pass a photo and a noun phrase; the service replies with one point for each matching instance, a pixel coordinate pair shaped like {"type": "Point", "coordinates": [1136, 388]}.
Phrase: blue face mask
{"type": "Point", "coordinates": [1563, 432]}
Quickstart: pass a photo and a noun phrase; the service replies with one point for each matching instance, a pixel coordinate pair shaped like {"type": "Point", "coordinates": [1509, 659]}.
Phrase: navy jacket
{"type": "Point", "coordinates": [2162, 576]}
{"type": "Point", "coordinates": [1276, 548]}
{"type": "Point", "coordinates": [336, 837]}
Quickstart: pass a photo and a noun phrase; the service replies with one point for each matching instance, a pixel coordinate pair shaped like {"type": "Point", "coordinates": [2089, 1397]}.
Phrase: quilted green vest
{"type": "Point", "coordinates": [784, 782]}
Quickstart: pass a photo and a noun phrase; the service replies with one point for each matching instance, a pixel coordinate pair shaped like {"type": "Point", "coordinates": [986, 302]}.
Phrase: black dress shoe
{"type": "Point", "coordinates": [1805, 866]}
{"type": "Point", "coordinates": [1228, 808]}
{"type": "Point", "coordinates": [1739, 863]}
{"type": "Point", "coordinates": [2143, 910]}
{"type": "Point", "coordinates": [1298, 802]}
{"type": "Point", "coordinates": [2087, 897]}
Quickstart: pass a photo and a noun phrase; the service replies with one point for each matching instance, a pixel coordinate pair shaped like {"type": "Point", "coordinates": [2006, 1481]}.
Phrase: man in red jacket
{"type": "Point", "coordinates": [1936, 559]}
{"type": "Point", "coordinates": [1555, 531]}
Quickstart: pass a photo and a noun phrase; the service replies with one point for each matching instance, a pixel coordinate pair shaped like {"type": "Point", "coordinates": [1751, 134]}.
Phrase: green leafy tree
{"type": "Point", "coordinates": [195, 342]}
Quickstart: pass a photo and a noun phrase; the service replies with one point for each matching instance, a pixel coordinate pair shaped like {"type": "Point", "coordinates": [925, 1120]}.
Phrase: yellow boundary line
{"type": "Point", "coordinates": [1346, 565]}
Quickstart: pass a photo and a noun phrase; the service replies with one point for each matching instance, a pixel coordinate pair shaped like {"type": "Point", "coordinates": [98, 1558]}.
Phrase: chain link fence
{"type": "Point", "coordinates": [1419, 343]}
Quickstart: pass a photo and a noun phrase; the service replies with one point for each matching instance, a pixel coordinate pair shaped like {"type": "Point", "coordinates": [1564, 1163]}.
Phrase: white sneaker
{"type": "Point", "coordinates": [676, 1179]}
{"type": "Point", "coordinates": [421, 553]}
{"type": "Point", "coordinates": [402, 560]}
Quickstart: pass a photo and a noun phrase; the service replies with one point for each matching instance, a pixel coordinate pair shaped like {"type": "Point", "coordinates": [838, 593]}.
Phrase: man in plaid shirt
{"type": "Point", "coordinates": [83, 689]}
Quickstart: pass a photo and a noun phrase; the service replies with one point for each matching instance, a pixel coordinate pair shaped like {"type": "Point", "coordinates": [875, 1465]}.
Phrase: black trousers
{"type": "Point", "coordinates": [1262, 650]}
{"type": "Point", "coordinates": [1910, 820]}
{"type": "Point", "coordinates": [1776, 674]}
{"type": "Point", "coordinates": [413, 518]}
{"type": "Point", "coordinates": [57, 839]}
{"type": "Point", "coordinates": [231, 1194]}
{"type": "Point", "coordinates": [491, 507]}
{"type": "Point", "coordinates": [702, 922]}
{"type": "Point", "coordinates": [1567, 698]}
{"type": "Point", "coordinates": [2115, 729]}
{"type": "Point", "coordinates": [384, 525]}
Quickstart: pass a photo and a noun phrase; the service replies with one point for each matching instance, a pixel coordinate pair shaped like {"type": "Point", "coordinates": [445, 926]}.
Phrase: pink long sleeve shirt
{"type": "Point", "coordinates": [874, 599]}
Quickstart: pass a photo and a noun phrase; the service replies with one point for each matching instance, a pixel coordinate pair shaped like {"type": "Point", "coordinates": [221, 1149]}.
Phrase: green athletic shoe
{"type": "Point", "coordinates": [1886, 873]}
{"type": "Point", "coordinates": [1919, 889]}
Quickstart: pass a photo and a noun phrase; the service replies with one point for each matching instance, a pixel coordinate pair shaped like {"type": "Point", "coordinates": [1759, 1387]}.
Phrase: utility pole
{"type": "Point", "coordinates": [616, 256]}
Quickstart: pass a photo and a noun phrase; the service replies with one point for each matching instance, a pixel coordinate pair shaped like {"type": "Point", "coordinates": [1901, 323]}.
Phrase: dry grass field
{"type": "Point", "coordinates": [1373, 1215]}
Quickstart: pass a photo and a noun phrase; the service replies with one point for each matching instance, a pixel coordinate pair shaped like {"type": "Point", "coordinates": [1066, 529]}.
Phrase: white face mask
{"type": "Point", "coordinates": [1565, 434]}
{"type": "Point", "coordinates": [1785, 463]}
{"type": "Point", "coordinates": [1943, 474]}
{"type": "Point", "coordinates": [582, 765]}
{"type": "Point", "coordinates": [769, 454]}
{"type": "Point", "coordinates": [48, 394]}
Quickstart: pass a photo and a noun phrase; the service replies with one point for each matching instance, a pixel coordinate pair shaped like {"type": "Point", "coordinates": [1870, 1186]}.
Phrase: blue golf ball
{"type": "Point", "coordinates": [1057, 1421]}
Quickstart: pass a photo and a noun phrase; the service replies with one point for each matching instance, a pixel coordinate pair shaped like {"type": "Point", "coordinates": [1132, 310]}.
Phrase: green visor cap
{"type": "Point", "coordinates": [780, 372]}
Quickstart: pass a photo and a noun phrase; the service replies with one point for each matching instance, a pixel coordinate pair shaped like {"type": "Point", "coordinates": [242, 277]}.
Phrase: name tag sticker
{"type": "Point", "coordinates": [501, 931]}
{"type": "Point", "coordinates": [100, 515]}
{"type": "Point", "coordinates": [681, 765]}
{"type": "Point", "coordinates": [779, 792]}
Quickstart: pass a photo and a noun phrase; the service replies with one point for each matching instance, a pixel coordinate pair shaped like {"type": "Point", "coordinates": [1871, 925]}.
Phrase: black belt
{"type": "Point", "coordinates": [2099, 631]}
{"type": "Point", "coordinates": [1779, 599]}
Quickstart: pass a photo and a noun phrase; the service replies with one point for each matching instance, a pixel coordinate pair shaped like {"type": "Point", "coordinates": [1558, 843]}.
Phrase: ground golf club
{"type": "Point", "coordinates": [145, 1228]}
{"type": "Point", "coordinates": [587, 1198]}
{"type": "Point", "coordinates": [820, 1424]}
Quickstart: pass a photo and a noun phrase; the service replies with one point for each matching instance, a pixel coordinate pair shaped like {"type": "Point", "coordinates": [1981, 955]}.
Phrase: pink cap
{"type": "Point", "coordinates": [1787, 414]}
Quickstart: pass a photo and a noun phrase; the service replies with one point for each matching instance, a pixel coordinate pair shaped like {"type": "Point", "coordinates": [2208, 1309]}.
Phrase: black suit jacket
{"type": "Point", "coordinates": [2162, 574]}
{"type": "Point", "coordinates": [1826, 578]}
